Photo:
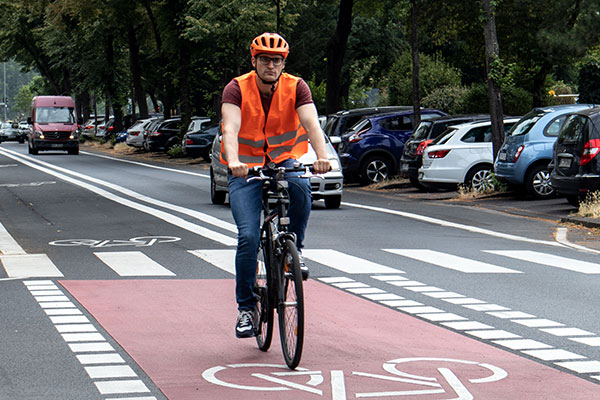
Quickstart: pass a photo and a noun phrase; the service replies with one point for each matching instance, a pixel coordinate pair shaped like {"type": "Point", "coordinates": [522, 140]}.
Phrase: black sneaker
{"type": "Point", "coordinates": [303, 267]}
{"type": "Point", "coordinates": [244, 327]}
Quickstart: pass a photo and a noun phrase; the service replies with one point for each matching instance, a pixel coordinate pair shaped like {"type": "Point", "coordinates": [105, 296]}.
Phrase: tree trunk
{"type": "Point", "coordinates": [136, 74]}
{"type": "Point", "coordinates": [336, 48]}
{"type": "Point", "coordinates": [414, 38]}
{"type": "Point", "coordinates": [495, 94]}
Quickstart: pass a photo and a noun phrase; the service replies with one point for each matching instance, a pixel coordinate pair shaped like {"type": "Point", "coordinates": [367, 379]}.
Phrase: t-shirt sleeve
{"type": "Point", "coordinates": [232, 94]}
{"type": "Point", "coordinates": [303, 95]}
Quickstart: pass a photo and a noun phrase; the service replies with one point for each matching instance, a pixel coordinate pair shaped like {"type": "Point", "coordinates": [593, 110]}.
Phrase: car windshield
{"type": "Point", "coordinates": [422, 129]}
{"type": "Point", "coordinates": [573, 129]}
{"type": "Point", "coordinates": [526, 123]}
{"type": "Point", "coordinates": [46, 115]}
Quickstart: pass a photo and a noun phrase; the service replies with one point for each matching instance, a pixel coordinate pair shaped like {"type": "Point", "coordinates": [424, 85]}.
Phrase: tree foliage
{"type": "Point", "coordinates": [177, 55]}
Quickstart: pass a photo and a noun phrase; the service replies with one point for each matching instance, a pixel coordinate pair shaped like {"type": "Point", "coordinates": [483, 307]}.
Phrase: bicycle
{"type": "Point", "coordinates": [278, 276]}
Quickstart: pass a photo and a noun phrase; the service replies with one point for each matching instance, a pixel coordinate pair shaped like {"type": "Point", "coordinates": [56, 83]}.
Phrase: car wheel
{"type": "Point", "coordinates": [376, 169]}
{"type": "Point", "coordinates": [206, 156]}
{"type": "Point", "coordinates": [480, 179]}
{"type": "Point", "coordinates": [146, 146]}
{"type": "Point", "coordinates": [574, 201]}
{"type": "Point", "coordinates": [538, 182]}
{"type": "Point", "coordinates": [216, 196]}
{"type": "Point", "coordinates": [333, 201]}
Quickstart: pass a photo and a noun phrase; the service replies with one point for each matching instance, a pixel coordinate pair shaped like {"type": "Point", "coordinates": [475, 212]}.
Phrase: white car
{"type": "Point", "coordinates": [328, 187]}
{"type": "Point", "coordinates": [461, 156]}
{"type": "Point", "coordinates": [136, 133]}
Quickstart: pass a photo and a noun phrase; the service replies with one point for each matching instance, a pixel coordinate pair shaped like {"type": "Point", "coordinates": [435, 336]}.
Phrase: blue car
{"type": "Point", "coordinates": [370, 152]}
{"type": "Point", "coordinates": [527, 149]}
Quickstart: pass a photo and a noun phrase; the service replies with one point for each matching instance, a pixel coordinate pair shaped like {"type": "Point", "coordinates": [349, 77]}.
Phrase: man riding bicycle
{"type": "Point", "coordinates": [268, 116]}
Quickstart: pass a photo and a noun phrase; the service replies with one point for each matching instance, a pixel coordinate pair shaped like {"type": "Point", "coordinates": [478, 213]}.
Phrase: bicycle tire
{"type": "Point", "coordinates": [264, 302]}
{"type": "Point", "coordinates": [291, 307]}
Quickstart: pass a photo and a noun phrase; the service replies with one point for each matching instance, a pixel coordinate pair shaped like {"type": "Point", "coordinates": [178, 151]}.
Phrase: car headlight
{"type": "Point", "coordinates": [335, 164]}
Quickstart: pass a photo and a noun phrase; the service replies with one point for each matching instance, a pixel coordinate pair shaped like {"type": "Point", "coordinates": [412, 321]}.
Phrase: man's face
{"type": "Point", "coordinates": [268, 66]}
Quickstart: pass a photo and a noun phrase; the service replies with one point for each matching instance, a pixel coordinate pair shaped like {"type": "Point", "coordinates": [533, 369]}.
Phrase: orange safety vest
{"type": "Point", "coordinates": [281, 130]}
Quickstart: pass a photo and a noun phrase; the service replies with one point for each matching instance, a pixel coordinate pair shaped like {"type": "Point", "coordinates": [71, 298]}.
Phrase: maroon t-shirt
{"type": "Point", "coordinates": [233, 94]}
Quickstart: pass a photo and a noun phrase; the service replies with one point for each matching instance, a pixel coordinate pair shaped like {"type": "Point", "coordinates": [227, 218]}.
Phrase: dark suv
{"type": "Point", "coordinates": [339, 123]}
{"type": "Point", "coordinates": [425, 132]}
{"type": "Point", "coordinates": [165, 136]}
{"type": "Point", "coordinates": [371, 151]}
{"type": "Point", "coordinates": [575, 163]}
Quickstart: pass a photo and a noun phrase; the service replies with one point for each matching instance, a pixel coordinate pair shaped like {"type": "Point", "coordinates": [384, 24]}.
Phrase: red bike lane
{"type": "Point", "coordinates": [181, 333]}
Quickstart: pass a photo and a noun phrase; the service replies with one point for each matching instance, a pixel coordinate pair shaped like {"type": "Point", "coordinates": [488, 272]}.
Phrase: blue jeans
{"type": "Point", "coordinates": [245, 199]}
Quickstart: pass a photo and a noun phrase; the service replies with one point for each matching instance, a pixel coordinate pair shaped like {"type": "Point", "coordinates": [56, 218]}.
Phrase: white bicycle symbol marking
{"type": "Point", "coordinates": [142, 241]}
{"type": "Point", "coordinates": [278, 382]}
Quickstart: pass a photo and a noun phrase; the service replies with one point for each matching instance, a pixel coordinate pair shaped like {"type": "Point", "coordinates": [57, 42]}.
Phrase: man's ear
{"type": "Point", "coordinates": [253, 62]}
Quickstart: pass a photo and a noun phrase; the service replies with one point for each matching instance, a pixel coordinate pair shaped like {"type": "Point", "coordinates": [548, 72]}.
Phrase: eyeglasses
{"type": "Point", "coordinates": [264, 60]}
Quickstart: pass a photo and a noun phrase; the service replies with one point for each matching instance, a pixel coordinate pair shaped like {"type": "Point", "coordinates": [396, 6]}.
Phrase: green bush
{"type": "Point", "coordinates": [175, 151]}
{"type": "Point", "coordinates": [589, 82]}
{"type": "Point", "coordinates": [449, 99]}
{"type": "Point", "coordinates": [434, 73]}
{"type": "Point", "coordinates": [515, 101]}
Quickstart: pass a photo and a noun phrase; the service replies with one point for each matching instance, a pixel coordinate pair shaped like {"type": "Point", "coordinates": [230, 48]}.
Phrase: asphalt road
{"type": "Point", "coordinates": [117, 283]}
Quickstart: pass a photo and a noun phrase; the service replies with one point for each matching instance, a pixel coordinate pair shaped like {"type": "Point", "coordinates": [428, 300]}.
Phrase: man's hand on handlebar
{"type": "Point", "coordinates": [238, 169]}
{"type": "Point", "coordinates": [321, 166]}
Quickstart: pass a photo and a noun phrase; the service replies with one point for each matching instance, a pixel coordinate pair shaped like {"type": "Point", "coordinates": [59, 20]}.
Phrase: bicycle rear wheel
{"type": "Point", "coordinates": [264, 304]}
{"type": "Point", "coordinates": [291, 306]}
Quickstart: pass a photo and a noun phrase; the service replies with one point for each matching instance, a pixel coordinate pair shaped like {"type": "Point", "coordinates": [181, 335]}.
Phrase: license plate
{"type": "Point", "coordinates": [564, 163]}
{"type": "Point", "coordinates": [56, 145]}
{"type": "Point", "coordinates": [502, 156]}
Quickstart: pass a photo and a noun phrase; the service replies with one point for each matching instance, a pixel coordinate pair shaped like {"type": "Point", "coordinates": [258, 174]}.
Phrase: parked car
{"type": "Point", "coordinates": [90, 127]}
{"type": "Point", "coordinates": [328, 186]}
{"type": "Point", "coordinates": [11, 131]}
{"type": "Point", "coordinates": [165, 136]}
{"type": "Point", "coordinates": [105, 129]}
{"type": "Point", "coordinates": [575, 163]}
{"type": "Point", "coordinates": [339, 123]}
{"type": "Point", "coordinates": [199, 143]}
{"type": "Point", "coordinates": [462, 156]}
{"type": "Point", "coordinates": [527, 149]}
{"type": "Point", "coordinates": [371, 151]}
{"type": "Point", "coordinates": [137, 132]}
{"type": "Point", "coordinates": [423, 135]}
{"type": "Point", "coordinates": [24, 127]}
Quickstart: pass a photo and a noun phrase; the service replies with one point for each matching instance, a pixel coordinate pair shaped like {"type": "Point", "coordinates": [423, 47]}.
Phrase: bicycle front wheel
{"type": "Point", "coordinates": [291, 306]}
{"type": "Point", "coordinates": [264, 304]}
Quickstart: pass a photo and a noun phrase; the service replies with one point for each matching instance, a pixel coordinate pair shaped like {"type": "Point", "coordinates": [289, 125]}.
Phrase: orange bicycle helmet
{"type": "Point", "coordinates": [270, 43]}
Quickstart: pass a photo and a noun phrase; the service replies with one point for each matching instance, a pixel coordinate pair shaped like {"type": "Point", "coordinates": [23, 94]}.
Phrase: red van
{"type": "Point", "coordinates": [54, 125]}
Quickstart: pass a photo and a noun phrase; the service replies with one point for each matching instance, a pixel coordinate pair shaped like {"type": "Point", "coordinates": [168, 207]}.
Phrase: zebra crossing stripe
{"type": "Point", "coordinates": [222, 259]}
{"type": "Point", "coordinates": [347, 263]}
{"type": "Point", "coordinates": [29, 266]}
{"type": "Point", "coordinates": [132, 263]}
{"type": "Point", "coordinates": [452, 262]}
{"type": "Point", "coordinates": [550, 260]}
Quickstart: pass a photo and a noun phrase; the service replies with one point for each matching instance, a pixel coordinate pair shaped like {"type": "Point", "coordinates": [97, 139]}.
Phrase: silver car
{"type": "Point", "coordinates": [137, 132]}
{"type": "Point", "coordinates": [328, 186]}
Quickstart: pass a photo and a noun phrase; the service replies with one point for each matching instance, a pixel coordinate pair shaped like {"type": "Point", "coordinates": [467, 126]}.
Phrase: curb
{"type": "Point", "coordinates": [587, 222]}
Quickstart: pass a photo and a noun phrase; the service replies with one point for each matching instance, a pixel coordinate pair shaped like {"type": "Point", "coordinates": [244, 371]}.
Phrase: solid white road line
{"type": "Point", "coordinates": [550, 260]}
{"type": "Point", "coordinates": [8, 245]}
{"type": "Point", "coordinates": [132, 263]}
{"type": "Point", "coordinates": [452, 262]}
{"type": "Point", "coordinates": [169, 218]}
